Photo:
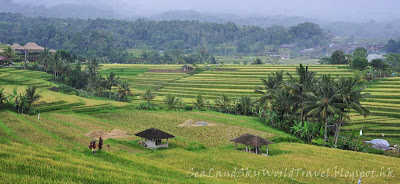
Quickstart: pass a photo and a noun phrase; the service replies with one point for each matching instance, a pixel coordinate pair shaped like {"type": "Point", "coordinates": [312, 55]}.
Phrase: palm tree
{"type": "Point", "coordinates": [245, 105]}
{"type": "Point", "coordinates": [111, 81]}
{"type": "Point", "coordinates": [124, 91]}
{"type": "Point", "coordinates": [350, 93]}
{"type": "Point", "coordinates": [32, 95]}
{"type": "Point", "coordinates": [56, 62]}
{"type": "Point", "coordinates": [20, 102]}
{"type": "Point", "coordinates": [3, 97]}
{"type": "Point", "coordinates": [148, 95]}
{"type": "Point", "coordinates": [324, 104]}
{"type": "Point", "coordinates": [172, 101]}
{"type": "Point", "coordinates": [200, 102]}
{"type": "Point", "coordinates": [8, 53]}
{"type": "Point", "coordinates": [302, 85]}
{"type": "Point", "coordinates": [224, 102]}
{"type": "Point", "coordinates": [45, 59]}
{"type": "Point", "coordinates": [271, 85]}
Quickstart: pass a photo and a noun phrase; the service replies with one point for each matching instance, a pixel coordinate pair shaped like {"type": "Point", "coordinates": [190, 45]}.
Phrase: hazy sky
{"type": "Point", "coordinates": [362, 10]}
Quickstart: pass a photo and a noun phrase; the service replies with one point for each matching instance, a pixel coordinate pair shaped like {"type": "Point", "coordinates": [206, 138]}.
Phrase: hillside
{"type": "Point", "coordinates": [53, 149]}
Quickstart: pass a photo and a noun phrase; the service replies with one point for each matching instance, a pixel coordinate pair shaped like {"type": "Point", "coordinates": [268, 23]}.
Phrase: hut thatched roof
{"type": "Point", "coordinates": [16, 46]}
{"type": "Point", "coordinates": [153, 134]}
{"type": "Point", "coordinates": [33, 46]}
{"type": "Point", "coordinates": [252, 140]}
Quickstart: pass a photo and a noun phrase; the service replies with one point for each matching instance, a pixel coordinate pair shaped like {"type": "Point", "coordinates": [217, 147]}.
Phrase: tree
{"type": "Point", "coordinates": [393, 59]}
{"type": "Point", "coordinates": [3, 97]}
{"type": "Point", "coordinates": [257, 61]}
{"type": "Point", "coordinates": [270, 86]}
{"type": "Point", "coordinates": [302, 85]}
{"type": "Point", "coordinates": [124, 91]}
{"type": "Point", "coordinates": [224, 103]}
{"type": "Point", "coordinates": [360, 52]}
{"type": "Point", "coordinates": [349, 90]}
{"type": "Point", "coordinates": [338, 57]}
{"type": "Point", "coordinates": [359, 63]}
{"type": "Point", "coordinates": [200, 102]}
{"type": "Point", "coordinates": [172, 101]}
{"type": "Point", "coordinates": [111, 81]}
{"type": "Point", "coordinates": [324, 103]}
{"type": "Point", "coordinates": [32, 96]}
{"type": "Point", "coordinates": [45, 59]}
{"type": "Point", "coordinates": [148, 95]}
{"type": "Point", "coordinates": [379, 64]}
{"type": "Point", "coordinates": [245, 105]}
{"type": "Point", "coordinates": [8, 53]}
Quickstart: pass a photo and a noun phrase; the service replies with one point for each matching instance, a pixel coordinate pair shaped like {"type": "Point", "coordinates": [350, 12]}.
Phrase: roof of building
{"type": "Point", "coordinates": [17, 46]}
{"type": "Point", "coordinates": [153, 134]}
{"type": "Point", "coordinates": [33, 46]}
{"type": "Point", "coordinates": [2, 58]}
{"type": "Point", "coordinates": [252, 140]}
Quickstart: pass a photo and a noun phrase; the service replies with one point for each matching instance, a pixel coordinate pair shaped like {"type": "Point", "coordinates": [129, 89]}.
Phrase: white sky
{"type": "Point", "coordinates": [322, 9]}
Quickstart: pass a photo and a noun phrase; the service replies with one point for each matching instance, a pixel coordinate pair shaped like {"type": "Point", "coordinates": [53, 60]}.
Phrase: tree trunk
{"type": "Point", "coordinates": [110, 93]}
{"type": "Point", "coordinates": [326, 131]}
{"type": "Point", "coordinates": [337, 133]}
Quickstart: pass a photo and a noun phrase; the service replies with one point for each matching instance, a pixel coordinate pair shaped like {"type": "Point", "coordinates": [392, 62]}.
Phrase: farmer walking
{"type": "Point", "coordinates": [100, 143]}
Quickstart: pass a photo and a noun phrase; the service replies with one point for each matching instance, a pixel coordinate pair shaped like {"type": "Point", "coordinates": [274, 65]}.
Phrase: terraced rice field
{"type": "Point", "coordinates": [50, 101]}
{"type": "Point", "coordinates": [53, 149]}
{"type": "Point", "coordinates": [235, 81]}
{"type": "Point", "coordinates": [384, 104]}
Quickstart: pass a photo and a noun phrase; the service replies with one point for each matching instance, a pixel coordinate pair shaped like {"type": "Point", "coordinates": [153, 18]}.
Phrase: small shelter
{"type": "Point", "coordinates": [187, 68]}
{"type": "Point", "coordinates": [252, 141]}
{"type": "Point", "coordinates": [153, 138]}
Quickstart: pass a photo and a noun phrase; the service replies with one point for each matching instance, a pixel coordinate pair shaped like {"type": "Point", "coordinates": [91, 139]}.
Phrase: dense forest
{"type": "Point", "coordinates": [111, 38]}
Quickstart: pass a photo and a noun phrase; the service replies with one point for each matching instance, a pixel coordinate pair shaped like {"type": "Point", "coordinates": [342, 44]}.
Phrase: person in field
{"type": "Point", "coordinates": [92, 146]}
{"type": "Point", "coordinates": [100, 143]}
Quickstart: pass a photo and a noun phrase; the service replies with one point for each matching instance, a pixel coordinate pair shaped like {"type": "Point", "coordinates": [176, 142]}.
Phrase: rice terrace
{"type": "Point", "coordinates": [207, 98]}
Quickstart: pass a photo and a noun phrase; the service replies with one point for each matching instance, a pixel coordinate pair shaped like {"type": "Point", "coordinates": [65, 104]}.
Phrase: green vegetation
{"type": "Point", "coordinates": [54, 147]}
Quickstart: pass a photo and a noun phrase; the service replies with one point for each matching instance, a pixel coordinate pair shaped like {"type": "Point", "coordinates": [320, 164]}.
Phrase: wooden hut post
{"type": "Point", "coordinates": [256, 150]}
{"type": "Point", "coordinates": [267, 149]}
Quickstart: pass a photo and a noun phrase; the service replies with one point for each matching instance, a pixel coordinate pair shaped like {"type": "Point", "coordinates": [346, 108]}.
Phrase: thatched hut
{"type": "Point", "coordinates": [33, 47]}
{"type": "Point", "coordinates": [252, 141]}
{"type": "Point", "coordinates": [187, 68]}
{"type": "Point", "coordinates": [17, 47]}
{"type": "Point", "coordinates": [153, 138]}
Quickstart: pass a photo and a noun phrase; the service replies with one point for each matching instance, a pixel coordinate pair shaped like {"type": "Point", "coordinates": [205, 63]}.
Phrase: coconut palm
{"type": "Point", "coordinates": [148, 95]}
{"type": "Point", "coordinates": [200, 102]}
{"type": "Point", "coordinates": [325, 103]}
{"type": "Point", "coordinates": [224, 103]}
{"type": "Point", "coordinates": [111, 81]}
{"type": "Point", "coordinates": [300, 86]}
{"type": "Point", "coordinates": [349, 90]}
{"type": "Point", "coordinates": [8, 53]}
{"type": "Point", "coordinates": [172, 101]}
{"type": "Point", "coordinates": [3, 97]}
{"type": "Point", "coordinates": [32, 95]}
{"type": "Point", "coordinates": [270, 86]}
{"type": "Point", "coordinates": [245, 105]}
{"type": "Point", "coordinates": [124, 91]}
{"type": "Point", "coordinates": [45, 59]}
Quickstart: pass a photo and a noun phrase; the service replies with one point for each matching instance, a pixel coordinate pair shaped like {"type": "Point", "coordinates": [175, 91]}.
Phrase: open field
{"type": "Point", "coordinates": [53, 149]}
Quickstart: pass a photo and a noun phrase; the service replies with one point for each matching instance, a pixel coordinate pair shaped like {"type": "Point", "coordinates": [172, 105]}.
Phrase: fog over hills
{"type": "Point", "coordinates": [358, 18]}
